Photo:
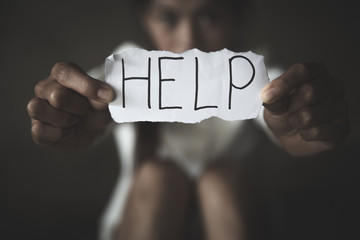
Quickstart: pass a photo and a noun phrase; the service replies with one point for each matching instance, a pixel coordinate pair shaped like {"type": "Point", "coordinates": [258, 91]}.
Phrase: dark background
{"type": "Point", "coordinates": [56, 195]}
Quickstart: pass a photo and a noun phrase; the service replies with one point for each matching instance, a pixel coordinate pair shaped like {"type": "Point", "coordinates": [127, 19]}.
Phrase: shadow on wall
{"type": "Point", "coordinates": [43, 192]}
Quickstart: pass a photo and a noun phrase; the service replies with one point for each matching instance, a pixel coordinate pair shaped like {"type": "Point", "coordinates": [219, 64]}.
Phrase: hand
{"type": "Point", "coordinates": [69, 110]}
{"type": "Point", "coordinates": [306, 110]}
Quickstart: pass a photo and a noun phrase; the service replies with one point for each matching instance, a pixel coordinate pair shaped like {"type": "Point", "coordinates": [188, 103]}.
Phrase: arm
{"type": "Point", "coordinates": [305, 109]}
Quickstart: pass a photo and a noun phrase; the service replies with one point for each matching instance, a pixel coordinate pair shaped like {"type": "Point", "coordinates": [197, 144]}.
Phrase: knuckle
{"type": "Point", "coordinates": [310, 134]}
{"type": "Point", "coordinates": [34, 107]}
{"type": "Point", "coordinates": [40, 135]}
{"type": "Point", "coordinates": [37, 132]}
{"type": "Point", "coordinates": [62, 71]}
{"type": "Point", "coordinates": [86, 86]}
{"type": "Point", "coordinates": [309, 93]}
{"type": "Point", "coordinates": [306, 118]}
{"type": "Point", "coordinates": [59, 98]}
{"type": "Point", "coordinates": [39, 88]}
{"type": "Point", "coordinates": [303, 69]}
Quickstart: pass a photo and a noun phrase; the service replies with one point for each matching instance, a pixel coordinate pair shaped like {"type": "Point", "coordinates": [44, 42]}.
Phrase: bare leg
{"type": "Point", "coordinates": [157, 205]}
{"type": "Point", "coordinates": [219, 190]}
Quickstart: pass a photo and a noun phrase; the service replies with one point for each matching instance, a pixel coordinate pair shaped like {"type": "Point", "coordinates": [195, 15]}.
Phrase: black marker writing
{"type": "Point", "coordinates": [135, 78]}
{"type": "Point", "coordinates": [197, 88]}
{"type": "Point", "coordinates": [166, 80]}
{"type": "Point", "coordinates": [231, 77]}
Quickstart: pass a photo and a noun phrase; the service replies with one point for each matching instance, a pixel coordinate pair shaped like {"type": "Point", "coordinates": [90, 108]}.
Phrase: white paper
{"type": "Point", "coordinates": [161, 86]}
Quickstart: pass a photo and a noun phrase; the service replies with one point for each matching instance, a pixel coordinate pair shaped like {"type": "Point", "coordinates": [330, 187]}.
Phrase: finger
{"type": "Point", "coordinates": [332, 133]}
{"type": "Point", "coordinates": [315, 91]}
{"type": "Point", "coordinates": [98, 105]}
{"type": "Point", "coordinates": [41, 110]}
{"type": "Point", "coordinates": [63, 98]}
{"type": "Point", "coordinates": [278, 107]}
{"type": "Point", "coordinates": [40, 86]}
{"type": "Point", "coordinates": [96, 120]}
{"type": "Point", "coordinates": [71, 76]}
{"type": "Point", "coordinates": [297, 75]}
{"type": "Point", "coordinates": [318, 114]}
{"type": "Point", "coordinates": [47, 135]}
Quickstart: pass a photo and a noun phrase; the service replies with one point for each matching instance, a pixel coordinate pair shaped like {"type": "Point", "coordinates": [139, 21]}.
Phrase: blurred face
{"type": "Point", "coordinates": [180, 25]}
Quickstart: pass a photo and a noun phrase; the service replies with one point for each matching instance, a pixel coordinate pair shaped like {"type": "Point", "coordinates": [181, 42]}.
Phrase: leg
{"type": "Point", "coordinates": [219, 190]}
{"type": "Point", "coordinates": [157, 205]}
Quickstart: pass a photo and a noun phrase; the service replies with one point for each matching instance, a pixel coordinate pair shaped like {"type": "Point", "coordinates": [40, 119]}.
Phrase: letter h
{"type": "Point", "coordinates": [135, 78]}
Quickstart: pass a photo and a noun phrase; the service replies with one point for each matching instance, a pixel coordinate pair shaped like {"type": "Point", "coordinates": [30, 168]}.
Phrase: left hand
{"type": "Point", "coordinates": [305, 109]}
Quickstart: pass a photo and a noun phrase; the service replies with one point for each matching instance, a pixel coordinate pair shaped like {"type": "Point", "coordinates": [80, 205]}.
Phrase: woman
{"type": "Point", "coordinates": [305, 113]}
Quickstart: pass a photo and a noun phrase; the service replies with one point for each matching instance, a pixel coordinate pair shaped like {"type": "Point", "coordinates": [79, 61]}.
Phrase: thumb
{"type": "Point", "coordinates": [277, 93]}
{"type": "Point", "coordinates": [277, 107]}
{"type": "Point", "coordinates": [73, 77]}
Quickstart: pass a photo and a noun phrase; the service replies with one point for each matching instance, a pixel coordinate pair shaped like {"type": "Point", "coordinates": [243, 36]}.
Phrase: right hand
{"type": "Point", "coordinates": [70, 109]}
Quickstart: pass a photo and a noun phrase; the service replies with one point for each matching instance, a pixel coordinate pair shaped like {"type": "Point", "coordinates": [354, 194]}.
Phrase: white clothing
{"type": "Point", "coordinates": [191, 146]}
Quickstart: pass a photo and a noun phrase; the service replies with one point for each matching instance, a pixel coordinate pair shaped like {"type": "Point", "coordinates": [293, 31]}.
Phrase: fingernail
{"type": "Point", "coordinates": [268, 95]}
{"type": "Point", "coordinates": [105, 94]}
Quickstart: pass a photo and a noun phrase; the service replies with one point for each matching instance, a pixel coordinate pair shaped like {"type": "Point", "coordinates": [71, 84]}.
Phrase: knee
{"type": "Point", "coordinates": [209, 187]}
{"type": "Point", "coordinates": [155, 179]}
{"type": "Point", "coordinates": [215, 183]}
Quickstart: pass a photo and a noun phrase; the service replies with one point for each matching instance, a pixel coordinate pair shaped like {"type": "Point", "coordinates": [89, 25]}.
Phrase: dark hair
{"type": "Point", "coordinates": [237, 9]}
{"type": "Point", "coordinates": [236, 6]}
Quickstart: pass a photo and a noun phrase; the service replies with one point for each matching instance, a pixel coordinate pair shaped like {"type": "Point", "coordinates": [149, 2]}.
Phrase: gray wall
{"type": "Point", "coordinates": [45, 193]}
